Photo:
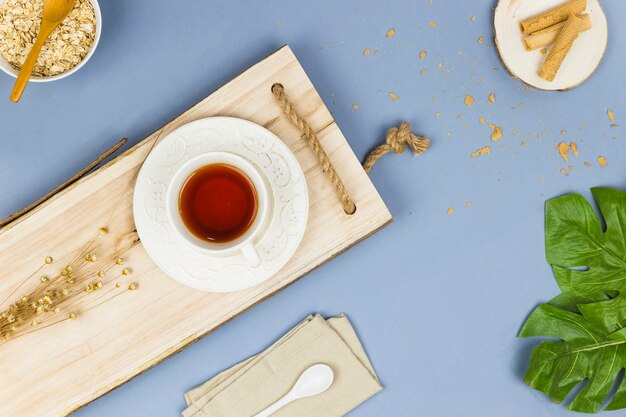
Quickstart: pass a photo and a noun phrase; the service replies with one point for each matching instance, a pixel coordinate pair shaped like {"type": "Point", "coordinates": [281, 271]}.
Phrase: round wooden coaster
{"type": "Point", "coordinates": [581, 61]}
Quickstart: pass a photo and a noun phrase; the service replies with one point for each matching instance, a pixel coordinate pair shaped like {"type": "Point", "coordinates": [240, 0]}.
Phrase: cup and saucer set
{"type": "Point", "coordinates": [221, 204]}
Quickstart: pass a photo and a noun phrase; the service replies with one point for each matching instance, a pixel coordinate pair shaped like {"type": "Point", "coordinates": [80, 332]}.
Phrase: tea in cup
{"type": "Point", "coordinates": [218, 203]}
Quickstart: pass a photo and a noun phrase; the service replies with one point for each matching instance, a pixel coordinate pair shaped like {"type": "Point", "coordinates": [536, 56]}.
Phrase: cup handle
{"type": "Point", "coordinates": [251, 255]}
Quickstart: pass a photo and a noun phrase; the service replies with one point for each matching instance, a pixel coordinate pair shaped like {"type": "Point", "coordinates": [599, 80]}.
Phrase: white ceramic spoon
{"type": "Point", "coordinates": [315, 380]}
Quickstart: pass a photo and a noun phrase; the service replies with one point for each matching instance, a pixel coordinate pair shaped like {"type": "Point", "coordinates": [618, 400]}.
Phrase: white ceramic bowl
{"type": "Point", "coordinates": [8, 68]}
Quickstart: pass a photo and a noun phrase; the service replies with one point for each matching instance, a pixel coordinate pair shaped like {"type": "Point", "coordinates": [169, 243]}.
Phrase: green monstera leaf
{"type": "Point", "coordinates": [586, 259]}
{"type": "Point", "coordinates": [587, 351]}
{"type": "Point", "coordinates": [589, 316]}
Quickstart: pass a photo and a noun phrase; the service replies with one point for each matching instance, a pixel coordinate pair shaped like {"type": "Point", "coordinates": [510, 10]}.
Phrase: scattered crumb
{"type": "Point", "coordinates": [423, 71]}
{"type": "Point", "coordinates": [355, 106]}
{"type": "Point", "coordinates": [473, 18]}
{"type": "Point", "coordinates": [469, 100]}
{"type": "Point", "coordinates": [587, 164]}
{"type": "Point", "coordinates": [450, 211]}
{"type": "Point", "coordinates": [390, 33]}
{"type": "Point", "coordinates": [449, 133]}
{"type": "Point", "coordinates": [481, 39]}
{"type": "Point", "coordinates": [563, 132]}
{"type": "Point", "coordinates": [468, 204]}
{"type": "Point", "coordinates": [482, 151]}
{"type": "Point", "coordinates": [393, 96]}
{"type": "Point", "coordinates": [366, 51]}
{"type": "Point", "coordinates": [562, 170]}
{"type": "Point", "coordinates": [524, 144]}
{"type": "Point", "coordinates": [571, 168]}
{"type": "Point", "coordinates": [437, 114]}
{"type": "Point", "coordinates": [539, 135]}
{"type": "Point", "coordinates": [497, 133]}
{"type": "Point", "coordinates": [526, 88]}
{"type": "Point", "coordinates": [602, 161]}
{"type": "Point", "coordinates": [433, 24]}
{"type": "Point", "coordinates": [422, 54]}
{"type": "Point", "coordinates": [564, 149]}
{"type": "Point", "coordinates": [611, 115]}
{"type": "Point", "coordinates": [440, 65]}
{"type": "Point", "coordinates": [492, 98]}
{"type": "Point", "coordinates": [544, 51]}
{"type": "Point", "coordinates": [481, 120]}
{"type": "Point", "coordinates": [520, 105]}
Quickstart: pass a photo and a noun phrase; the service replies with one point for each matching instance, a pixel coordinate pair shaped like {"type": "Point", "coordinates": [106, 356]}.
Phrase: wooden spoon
{"type": "Point", "coordinates": [54, 11]}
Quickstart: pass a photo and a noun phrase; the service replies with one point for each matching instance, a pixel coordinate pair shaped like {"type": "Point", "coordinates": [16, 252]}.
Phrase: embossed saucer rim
{"type": "Point", "coordinates": [287, 223]}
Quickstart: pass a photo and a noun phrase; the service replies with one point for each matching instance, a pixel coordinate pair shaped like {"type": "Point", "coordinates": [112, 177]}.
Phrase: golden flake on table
{"type": "Point", "coordinates": [366, 51]}
{"type": "Point", "coordinates": [422, 54]}
{"type": "Point", "coordinates": [492, 98]}
{"type": "Point", "coordinates": [450, 211]}
{"type": "Point", "coordinates": [602, 161]}
{"type": "Point", "coordinates": [391, 32]}
{"type": "Point", "coordinates": [482, 151]}
{"type": "Point", "coordinates": [393, 96]}
{"type": "Point", "coordinates": [565, 148]}
{"type": "Point", "coordinates": [469, 100]}
{"type": "Point", "coordinates": [496, 134]}
{"type": "Point", "coordinates": [468, 204]}
{"type": "Point", "coordinates": [433, 24]}
{"type": "Point", "coordinates": [481, 39]}
{"type": "Point", "coordinates": [611, 115]}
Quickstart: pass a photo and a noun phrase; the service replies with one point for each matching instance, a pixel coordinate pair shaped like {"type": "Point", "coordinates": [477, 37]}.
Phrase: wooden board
{"type": "Point", "coordinates": [58, 369]}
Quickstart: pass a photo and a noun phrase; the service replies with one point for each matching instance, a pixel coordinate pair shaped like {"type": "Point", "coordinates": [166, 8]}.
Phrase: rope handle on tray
{"type": "Point", "coordinates": [398, 138]}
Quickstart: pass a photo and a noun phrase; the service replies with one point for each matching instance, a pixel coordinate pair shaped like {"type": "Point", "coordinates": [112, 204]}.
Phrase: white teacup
{"type": "Point", "coordinates": [244, 243]}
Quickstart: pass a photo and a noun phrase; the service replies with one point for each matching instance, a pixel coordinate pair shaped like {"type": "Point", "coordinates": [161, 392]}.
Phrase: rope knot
{"type": "Point", "coordinates": [398, 138]}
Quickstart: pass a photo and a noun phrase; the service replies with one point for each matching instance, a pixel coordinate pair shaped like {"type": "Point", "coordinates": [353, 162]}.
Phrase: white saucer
{"type": "Point", "coordinates": [288, 209]}
{"type": "Point", "coordinates": [581, 61]}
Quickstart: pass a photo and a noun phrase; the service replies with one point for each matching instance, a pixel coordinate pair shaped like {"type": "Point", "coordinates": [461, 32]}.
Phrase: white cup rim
{"type": "Point", "coordinates": [208, 158]}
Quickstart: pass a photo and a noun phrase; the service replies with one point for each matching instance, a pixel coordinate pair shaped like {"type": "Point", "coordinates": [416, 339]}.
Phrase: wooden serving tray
{"type": "Point", "coordinates": [58, 369]}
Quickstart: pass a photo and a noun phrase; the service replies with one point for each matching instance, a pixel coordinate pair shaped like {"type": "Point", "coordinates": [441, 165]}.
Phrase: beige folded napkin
{"type": "Point", "coordinates": [252, 385]}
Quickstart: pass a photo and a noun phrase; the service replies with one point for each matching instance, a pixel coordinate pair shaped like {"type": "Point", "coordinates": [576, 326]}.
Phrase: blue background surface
{"type": "Point", "coordinates": [437, 299]}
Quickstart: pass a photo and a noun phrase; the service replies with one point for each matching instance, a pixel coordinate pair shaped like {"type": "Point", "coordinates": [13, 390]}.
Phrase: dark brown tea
{"type": "Point", "coordinates": [218, 203]}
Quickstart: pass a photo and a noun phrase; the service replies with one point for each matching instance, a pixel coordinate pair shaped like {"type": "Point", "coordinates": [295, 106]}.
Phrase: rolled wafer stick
{"type": "Point", "coordinates": [562, 44]}
{"type": "Point", "coordinates": [546, 36]}
{"type": "Point", "coordinates": [552, 16]}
